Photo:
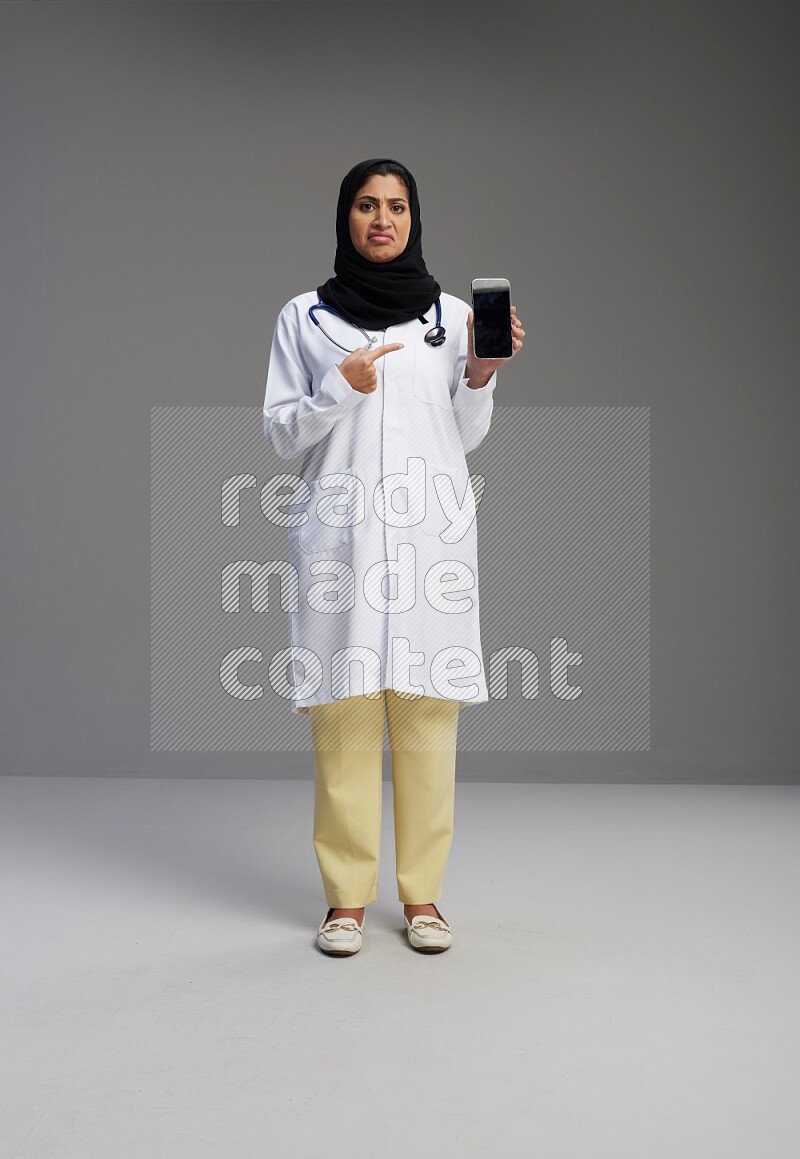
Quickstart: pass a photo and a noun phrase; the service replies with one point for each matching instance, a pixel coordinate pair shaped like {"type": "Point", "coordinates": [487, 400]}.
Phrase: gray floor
{"type": "Point", "coordinates": [623, 980]}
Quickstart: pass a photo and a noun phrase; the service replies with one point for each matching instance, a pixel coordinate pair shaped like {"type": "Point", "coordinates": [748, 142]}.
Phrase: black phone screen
{"type": "Point", "coordinates": [492, 323]}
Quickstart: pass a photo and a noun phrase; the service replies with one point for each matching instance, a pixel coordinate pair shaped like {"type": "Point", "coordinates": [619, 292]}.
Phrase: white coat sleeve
{"type": "Point", "coordinates": [294, 417]}
{"type": "Point", "coordinates": [473, 408]}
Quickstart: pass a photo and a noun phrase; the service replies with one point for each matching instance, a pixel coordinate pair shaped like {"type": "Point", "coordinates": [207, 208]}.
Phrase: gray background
{"type": "Point", "coordinates": [170, 174]}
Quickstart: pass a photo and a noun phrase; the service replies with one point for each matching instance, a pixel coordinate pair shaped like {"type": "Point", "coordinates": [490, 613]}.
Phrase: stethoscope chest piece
{"type": "Point", "coordinates": [436, 336]}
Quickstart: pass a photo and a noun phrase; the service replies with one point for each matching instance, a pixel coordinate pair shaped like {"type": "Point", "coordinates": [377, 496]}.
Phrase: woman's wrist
{"type": "Point", "coordinates": [477, 378]}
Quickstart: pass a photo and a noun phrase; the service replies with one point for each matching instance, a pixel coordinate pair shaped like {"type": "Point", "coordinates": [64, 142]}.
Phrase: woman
{"type": "Point", "coordinates": [383, 403]}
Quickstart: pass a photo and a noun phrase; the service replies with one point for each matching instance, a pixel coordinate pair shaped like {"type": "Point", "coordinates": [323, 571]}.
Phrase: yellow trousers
{"type": "Point", "coordinates": [347, 736]}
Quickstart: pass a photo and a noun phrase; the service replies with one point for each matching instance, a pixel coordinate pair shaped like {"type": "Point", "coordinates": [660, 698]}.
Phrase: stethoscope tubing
{"type": "Point", "coordinates": [434, 337]}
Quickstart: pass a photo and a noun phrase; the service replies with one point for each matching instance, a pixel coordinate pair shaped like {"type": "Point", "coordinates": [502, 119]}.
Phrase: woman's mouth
{"type": "Point", "coordinates": [380, 237]}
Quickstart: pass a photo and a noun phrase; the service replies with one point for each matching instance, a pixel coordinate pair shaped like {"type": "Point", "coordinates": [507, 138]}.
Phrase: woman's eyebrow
{"type": "Point", "coordinates": [369, 197]}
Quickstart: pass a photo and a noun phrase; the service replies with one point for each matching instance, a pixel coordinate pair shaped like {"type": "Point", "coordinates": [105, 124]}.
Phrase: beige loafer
{"type": "Point", "coordinates": [427, 934]}
{"type": "Point", "coordinates": [339, 937]}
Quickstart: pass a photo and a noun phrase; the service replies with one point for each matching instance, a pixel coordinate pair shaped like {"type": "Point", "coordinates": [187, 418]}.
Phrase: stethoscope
{"type": "Point", "coordinates": [434, 337]}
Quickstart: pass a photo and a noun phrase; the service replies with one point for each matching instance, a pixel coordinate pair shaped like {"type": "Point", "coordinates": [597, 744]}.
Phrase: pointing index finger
{"type": "Point", "coordinates": [379, 351]}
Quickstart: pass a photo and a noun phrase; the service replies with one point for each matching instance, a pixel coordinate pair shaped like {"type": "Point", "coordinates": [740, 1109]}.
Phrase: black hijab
{"type": "Point", "coordinates": [378, 294]}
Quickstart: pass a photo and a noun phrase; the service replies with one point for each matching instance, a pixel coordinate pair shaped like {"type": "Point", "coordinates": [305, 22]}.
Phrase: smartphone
{"type": "Point", "coordinates": [491, 305]}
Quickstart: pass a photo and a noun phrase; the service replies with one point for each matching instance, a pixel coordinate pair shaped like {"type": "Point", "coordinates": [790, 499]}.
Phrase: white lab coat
{"type": "Point", "coordinates": [417, 630]}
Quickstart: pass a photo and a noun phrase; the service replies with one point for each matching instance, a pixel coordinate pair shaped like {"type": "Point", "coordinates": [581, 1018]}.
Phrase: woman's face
{"type": "Point", "coordinates": [380, 218]}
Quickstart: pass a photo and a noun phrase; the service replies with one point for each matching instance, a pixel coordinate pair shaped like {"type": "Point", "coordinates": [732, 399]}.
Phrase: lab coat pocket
{"type": "Point", "coordinates": [330, 511]}
{"type": "Point", "coordinates": [431, 376]}
{"type": "Point", "coordinates": [449, 503]}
